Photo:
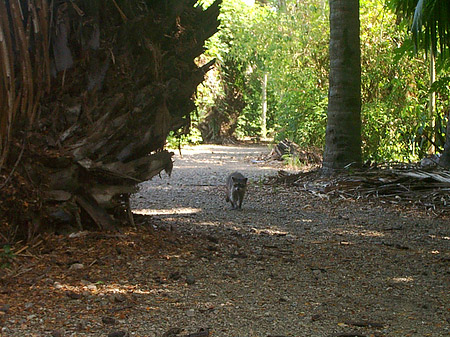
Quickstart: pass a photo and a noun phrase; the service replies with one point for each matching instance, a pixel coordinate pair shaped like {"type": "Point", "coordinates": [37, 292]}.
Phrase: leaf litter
{"type": "Point", "coordinates": [338, 256]}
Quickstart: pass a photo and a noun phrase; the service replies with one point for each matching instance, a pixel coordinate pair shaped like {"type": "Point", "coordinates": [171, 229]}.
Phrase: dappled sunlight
{"type": "Point", "coordinates": [156, 187]}
{"type": "Point", "coordinates": [209, 224]}
{"type": "Point", "coordinates": [406, 279]}
{"type": "Point", "coordinates": [270, 231]}
{"type": "Point", "coordinates": [218, 149]}
{"type": "Point", "coordinates": [359, 232]}
{"type": "Point", "coordinates": [216, 162]}
{"type": "Point", "coordinates": [438, 237]}
{"type": "Point", "coordinates": [168, 211]}
{"type": "Point", "coordinates": [101, 289]}
{"type": "Point", "coordinates": [303, 220]}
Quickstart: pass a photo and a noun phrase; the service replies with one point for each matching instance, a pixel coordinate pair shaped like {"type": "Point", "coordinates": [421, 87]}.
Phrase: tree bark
{"type": "Point", "coordinates": [123, 78]}
{"type": "Point", "coordinates": [343, 132]}
{"type": "Point", "coordinates": [444, 160]}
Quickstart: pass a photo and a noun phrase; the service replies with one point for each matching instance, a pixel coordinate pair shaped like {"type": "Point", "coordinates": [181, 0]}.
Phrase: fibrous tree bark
{"type": "Point", "coordinates": [343, 132]}
{"type": "Point", "coordinates": [92, 88]}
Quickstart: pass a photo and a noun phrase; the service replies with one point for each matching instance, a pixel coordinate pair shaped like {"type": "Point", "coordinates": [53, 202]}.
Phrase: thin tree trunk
{"type": "Point", "coordinates": [264, 107]}
{"type": "Point", "coordinates": [343, 133]}
{"type": "Point", "coordinates": [432, 101]}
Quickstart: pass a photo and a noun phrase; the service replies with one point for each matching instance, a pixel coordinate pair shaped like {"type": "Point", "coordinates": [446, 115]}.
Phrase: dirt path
{"type": "Point", "coordinates": [288, 264]}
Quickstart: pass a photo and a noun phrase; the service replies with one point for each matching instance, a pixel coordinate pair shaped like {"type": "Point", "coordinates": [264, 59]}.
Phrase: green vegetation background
{"type": "Point", "coordinates": [289, 41]}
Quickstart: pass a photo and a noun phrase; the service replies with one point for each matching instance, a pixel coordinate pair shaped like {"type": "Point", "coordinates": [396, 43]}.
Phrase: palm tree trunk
{"type": "Point", "coordinates": [103, 119]}
{"type": "Point", "coordinates": [343, 133]}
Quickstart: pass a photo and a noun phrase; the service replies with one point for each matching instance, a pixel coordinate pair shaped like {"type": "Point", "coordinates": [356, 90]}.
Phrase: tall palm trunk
{"type": "Point", "coordinates": [343, 133]}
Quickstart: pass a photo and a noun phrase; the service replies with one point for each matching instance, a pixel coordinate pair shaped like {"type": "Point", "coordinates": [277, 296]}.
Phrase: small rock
{"type": "Point", "coordinates": [238, 255]}
{"type": "Point", "coordinates": [315, 317]}
{"type": "Point", "coordinates": [76, 266]}
{"type": "Point", "coordinates": [172, 332]}
{"type": "Point", "coordinates": [4, 308]}
{"type": "Point", "coordinates": [109, 320]}
{"type": "Point", "coordinates": [48, 281]}
{"type": "Point", "coordinates": [30, 317]}
{"type": "Point", "coordinates": [230, 275]}
{"type": "Point", "coordinates": [28, 305]}
{"type": "Point", "coordinates": [78, 234]}
{"type": "Point", "coordinates": [201, 333]}
{"type": "Point", "coordinates": [213, 239]}
{"type": "Point", "coordinates": [73, 295]}
{"type": "Point", "coordinates": [57, 285]}
{"type": "Point", "coordinates": [57, 333]}
{"type": "Point", "coordinates": [175, 275]}
{"type": "Point", "coordinates": [81, 325]}
{"type": "Point", "coordinates": [118, 298]}
{"type": "Point", "coordinates": [92, 287]}
{"type": "Point", "coordinates": [190, 313]}
{"type": "Point", "coordinates": [316, 272]}
{"type": "Point", "coordinates": [190, 279]}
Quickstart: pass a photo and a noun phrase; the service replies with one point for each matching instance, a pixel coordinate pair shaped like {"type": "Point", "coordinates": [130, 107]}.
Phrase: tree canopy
{"type": "Point", "coordinates": [429, 22]}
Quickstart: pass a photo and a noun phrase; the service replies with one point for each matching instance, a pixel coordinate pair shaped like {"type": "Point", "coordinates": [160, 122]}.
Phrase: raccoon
{"type": "Point", "coordinates": [236, 187]}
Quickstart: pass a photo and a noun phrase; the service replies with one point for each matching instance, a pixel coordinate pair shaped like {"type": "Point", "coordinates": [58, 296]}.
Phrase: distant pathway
{"type": "Point", "coordinates": [198, 179]}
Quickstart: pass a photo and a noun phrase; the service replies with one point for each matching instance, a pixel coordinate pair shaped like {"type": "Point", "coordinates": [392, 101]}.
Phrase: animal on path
{"type": "Point", "coordinates": [236, 187]}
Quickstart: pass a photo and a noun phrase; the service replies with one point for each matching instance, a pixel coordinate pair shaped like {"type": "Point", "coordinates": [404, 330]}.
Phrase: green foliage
{"type": "Point", "coordinates": [393, 89]}
{"type": "Point", "coordinates": [301, 69]}
{"type": "Point", "coordinates": [175, 141]}
{"type": "Point", "coordinates": [425, 20]}
{"type": "Point", "coordinates": [429, 22]}
{"type": "Point", "coordinates": [293, 51]}
{"type": "Point", "coordinates": [291, 44]}
{"type": "Point", "coordinates": [292, 161]}
{"type": "Point", "coordinates": [6, 256]}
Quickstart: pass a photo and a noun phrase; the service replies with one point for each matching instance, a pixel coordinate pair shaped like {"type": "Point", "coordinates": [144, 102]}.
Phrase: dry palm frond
{"type": "Point", "coordinates": [24, 65]}
{"type": "Point", "coordinates": [396, 183]}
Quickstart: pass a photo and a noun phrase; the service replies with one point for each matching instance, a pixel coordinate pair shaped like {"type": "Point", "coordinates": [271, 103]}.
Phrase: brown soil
{"type": "Point", "coordinates": [289, 264]}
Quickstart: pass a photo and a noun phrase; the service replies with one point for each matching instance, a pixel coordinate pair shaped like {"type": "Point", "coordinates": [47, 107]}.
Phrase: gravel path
{"type": "Point", "coordinates": [289, 264]}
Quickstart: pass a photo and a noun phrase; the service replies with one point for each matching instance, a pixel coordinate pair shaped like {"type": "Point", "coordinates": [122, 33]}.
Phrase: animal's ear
{"type": "Point", "coordinates": [234, 179]}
